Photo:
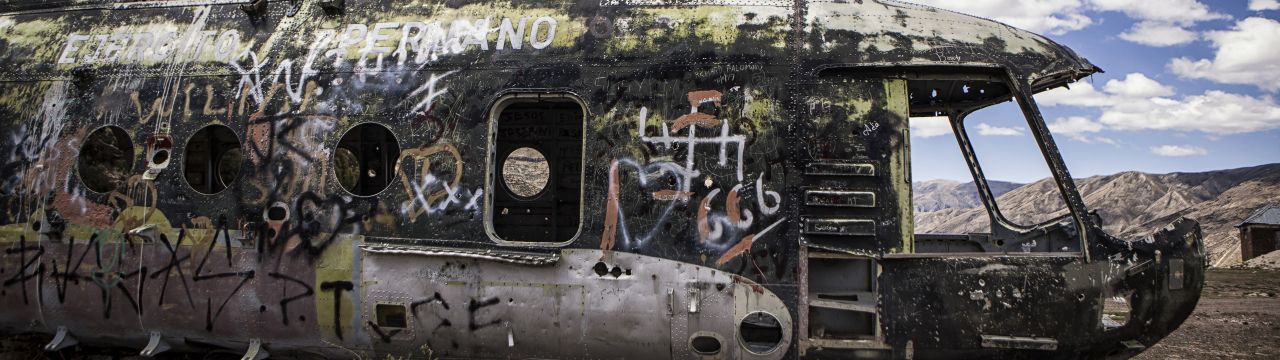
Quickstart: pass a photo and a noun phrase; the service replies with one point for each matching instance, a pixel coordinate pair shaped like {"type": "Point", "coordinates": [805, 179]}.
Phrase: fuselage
{"type": "Point", "coordinates": [541, 179]}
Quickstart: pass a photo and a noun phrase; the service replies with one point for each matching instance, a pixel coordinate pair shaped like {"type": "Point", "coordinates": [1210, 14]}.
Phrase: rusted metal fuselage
{"type": "Point", "coordinates": [538, 179]}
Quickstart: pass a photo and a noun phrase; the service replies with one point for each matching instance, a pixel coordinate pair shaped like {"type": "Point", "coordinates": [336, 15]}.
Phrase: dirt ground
{"type": "Point", "coordinates": [1238, 318]}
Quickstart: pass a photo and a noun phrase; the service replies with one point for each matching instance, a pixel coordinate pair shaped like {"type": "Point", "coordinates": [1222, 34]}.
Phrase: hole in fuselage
{"type": "Point", "coordinates": [160, 157]}
{"type": "Point", "coordinates": [760, 333]}
{"type": "Point", "coordinates": [601, 269]}
{"type": "Point", "coordinates": [277, 213]}
{"type": "Point", "coordinates": [391, 316]}
{"type": "Point", "coordinates": [705, 345]}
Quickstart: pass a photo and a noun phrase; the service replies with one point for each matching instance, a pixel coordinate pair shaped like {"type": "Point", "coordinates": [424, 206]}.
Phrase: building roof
{"type": "Point", "coordinates": [1267, 215]}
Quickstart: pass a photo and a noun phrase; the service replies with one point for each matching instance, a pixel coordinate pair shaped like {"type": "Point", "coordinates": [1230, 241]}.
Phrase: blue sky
{"type": "Point", "coordinates": [1189, 86]}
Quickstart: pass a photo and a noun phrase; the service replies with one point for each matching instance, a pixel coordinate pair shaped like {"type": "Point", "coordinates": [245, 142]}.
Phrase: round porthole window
{"type": "Point", "coordinates": [106, 158]}
{"type": "Point", "coordinates": [365, 160]}
{"type": "Point", "coordinates": [526, 172]}
{"type": "Point", "coordinates": [212, 159]}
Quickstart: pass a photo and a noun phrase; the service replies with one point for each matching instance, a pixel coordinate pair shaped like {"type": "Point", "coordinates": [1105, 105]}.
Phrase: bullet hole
{"type": "Point", "coordinates": [1000, 243]}
{"type": "Point", "coordinates": [601, 269]}
{"type": "Point", "coordinates": [262, 309]}
{"type": "Point", "coordinates": [719, 287]}
{"type": "Point", "coordinates": [160, 157]}
{"type": "Point", "coordinates": [35, 226]}
{"type": "Point", "coordinates": [302, 318]}
{"type": "Point", "coordinates": [1080, 297]}
{"type": "Point", "coordinates": [462, 266]}
{"type": "Point", "coordinates": [616, 272]}
{"type": "Point", "coordinates": [510, 300]}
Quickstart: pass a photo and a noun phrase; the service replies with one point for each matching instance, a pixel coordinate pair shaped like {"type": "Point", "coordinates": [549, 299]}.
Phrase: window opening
{"type": "Point", "coordinates": [538, 148]}
{"type": "Point", "coordinates": [106, 159]}
{"type": "Point", "coordinates": [1026, 212]}
{"type": "Point", "coordinates": [526, 172]}
{"type": "Point", "coordinates": [212, 159]}
{"type": "Point", "coordinates": [365, 160]}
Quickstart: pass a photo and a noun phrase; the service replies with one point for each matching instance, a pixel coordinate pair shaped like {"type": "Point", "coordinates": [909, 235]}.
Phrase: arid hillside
{"type": "Point", "coordinates": [935, 195]}
{"type": "Point", "coordinates": [1132, 204]}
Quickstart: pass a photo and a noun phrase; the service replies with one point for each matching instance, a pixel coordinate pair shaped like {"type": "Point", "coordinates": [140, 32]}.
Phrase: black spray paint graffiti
{"type": "Point", "coordinates": [338, 288]}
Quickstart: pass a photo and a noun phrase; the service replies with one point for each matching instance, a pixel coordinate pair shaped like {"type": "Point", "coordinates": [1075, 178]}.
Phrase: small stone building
{"type": "Point", "coordinates": [1260, 232]}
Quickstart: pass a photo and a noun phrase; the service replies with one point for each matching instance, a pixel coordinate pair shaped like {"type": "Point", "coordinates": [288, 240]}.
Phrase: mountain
{"type": "Point", "coordinates": [1132, 205]}
{"type": "Point", "coordinates": [935, 195]}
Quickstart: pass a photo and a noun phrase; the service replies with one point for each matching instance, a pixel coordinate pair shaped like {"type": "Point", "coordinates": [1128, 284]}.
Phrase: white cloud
{"type": "Point", "coordinates": [1178, 151]}
{"type": "Point", "coordinates": [1182, 12]}
{"type": "Point", "coordinates": [1138, 85]}
{"type": "Point", "coordinates": [1160, 23]}
{"type": "Point", "coordinates": [927, 127]}
{"type": "Point", "coordinates": [1080, 129]}
{"type": "Point", "coordinates": [1075, 125]}
{"type": "Point", "coordinates": [1139, 103]}
{"type": "Point", "coordinates": [1154, 33]}
{"type": "Point", "coordinates": [1048, 16]}
{"type": "Point", "coordinates": [1246, 55]}
{"type": "Point", "coordinates": [1214, 112]}
{"type": "Point", "coordinates": [1134, 86]}
{"type": "Point", "coordinates": [1079, 94]}
{"type": "Point", "coordinates": [985, 129]}
{"type": "Point", "coordinates": [1259, 5]}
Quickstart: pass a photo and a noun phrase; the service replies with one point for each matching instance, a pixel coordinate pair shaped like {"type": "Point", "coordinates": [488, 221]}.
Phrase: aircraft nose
{"type": "Point", "coordinates": [1160, 283]}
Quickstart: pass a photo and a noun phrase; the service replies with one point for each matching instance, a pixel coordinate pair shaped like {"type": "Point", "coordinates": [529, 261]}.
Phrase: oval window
{"type": "Point", "coordinates": [212, 160]}
{"type": "Point", "coordinates": [526, 172]}
{"type": "Point", "coordinates": [106, 158]}
{"type": "Point", "coordinates": [365, 160]}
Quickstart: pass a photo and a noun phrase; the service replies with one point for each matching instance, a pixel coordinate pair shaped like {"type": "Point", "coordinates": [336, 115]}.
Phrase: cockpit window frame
{"type": "Point", "coordinates": [1019, 91]}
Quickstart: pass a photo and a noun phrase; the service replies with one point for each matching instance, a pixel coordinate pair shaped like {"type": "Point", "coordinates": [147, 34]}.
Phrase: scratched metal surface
{"type": "Point", "coordinates": [698, 122]}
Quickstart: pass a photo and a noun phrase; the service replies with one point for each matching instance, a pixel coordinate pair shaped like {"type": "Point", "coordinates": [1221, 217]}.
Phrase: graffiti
{"type": "Point", "coordinates": [723, 225]}
{"type": "Point", "coordinates": [384, 336]}
{"type": "Point", "coordinates": [28, 267]}
{"type": "Point", "coordinates": [473, 310]}
{"type": "Point", "coordinates": [199, 275]}
{"type": "Point", "coordinates": [338, 288]}
{"type": "Point", "coordinates": [151, 46]}
{"type": "Point", "coordinates": [308, 291]}
{"type": "Point", "coordinates": [174, 264]}
{"type": "Point", "coordinates": [419, 42]}
{"type": "Point", "coordinates": [429, 194]}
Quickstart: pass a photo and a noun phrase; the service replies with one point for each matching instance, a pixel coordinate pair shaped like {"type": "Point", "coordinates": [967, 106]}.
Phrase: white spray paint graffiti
{"type": "Point", "coordinates": [418, 42]}
{"type": "Point", "coordinates": [727, 231]}
{"type": "Point", "coordinates": [467, 200]}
